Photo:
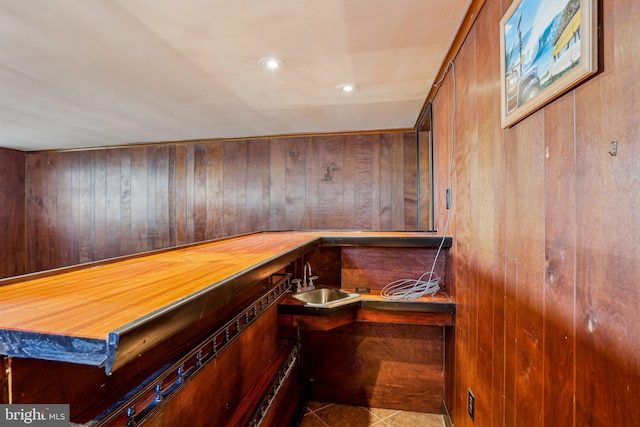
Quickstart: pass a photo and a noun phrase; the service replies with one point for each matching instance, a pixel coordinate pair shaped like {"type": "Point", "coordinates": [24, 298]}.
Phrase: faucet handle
{"type": "Point", "coordinates": [297, 284]}
{"type": "Point", "coordinates": [311, 279]}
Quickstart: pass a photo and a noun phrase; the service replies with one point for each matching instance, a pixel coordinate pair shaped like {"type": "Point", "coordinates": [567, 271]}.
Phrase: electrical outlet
{"type": "Point", "coordinates": [471, 405]}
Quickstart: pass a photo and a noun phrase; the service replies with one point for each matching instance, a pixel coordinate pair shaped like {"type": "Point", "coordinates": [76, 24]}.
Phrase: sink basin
{"type": "Point", "coordinates": [324, 297]}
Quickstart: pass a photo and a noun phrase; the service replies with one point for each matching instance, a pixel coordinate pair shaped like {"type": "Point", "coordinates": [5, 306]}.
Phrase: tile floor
{"type": "Point", "coordinates": [333, 415]}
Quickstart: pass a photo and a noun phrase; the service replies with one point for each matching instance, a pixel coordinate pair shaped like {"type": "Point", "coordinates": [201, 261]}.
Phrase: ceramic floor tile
{"type": "Point", "coordinates": [351, 416]}
{"type": "Point", "coordinates": [312, 420]}
{"type": "Point", "coordinates": [321, 414]}
{"type": "Point", "coordinates": [383, 413]}
{"type": "Point", "coordinates": [314, 406]}
{"type": "Point", "coordinates": [380, 424]}
{"type": "Point", "coordinates": [405, 419]}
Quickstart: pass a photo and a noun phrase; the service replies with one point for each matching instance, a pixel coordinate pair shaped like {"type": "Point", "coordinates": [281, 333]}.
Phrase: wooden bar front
{"type": "Point", "coordinates": [148, 310]}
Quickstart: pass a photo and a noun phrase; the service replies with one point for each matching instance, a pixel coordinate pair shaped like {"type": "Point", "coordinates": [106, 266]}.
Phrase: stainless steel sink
{"type": "Point", "coordinates": [324, 297]}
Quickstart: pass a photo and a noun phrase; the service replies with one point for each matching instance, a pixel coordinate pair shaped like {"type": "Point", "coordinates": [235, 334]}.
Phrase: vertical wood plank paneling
{"type": "Point", "coordinates": [92, 205]}
{"type": "Point", "coordinates": [469, 133]}
{"type": "Point", "coordinates": [362, 182]}
{"type": "Point", "coordinates": [242, 216]}
{"type": "Point", "coordinates": [230, 190]}
{"type": "Point", "coordinates": [564, 339]}
{"type": "Point", "coordinates": [277, 189]}
{"type": "Point", "coordinates": [443, 142]}
{"type": "Point", "coordinates": [311, 174]}
{"type": "Point", "coordinates": [425, 193]}
{"type": "Point", "coordinates": [180, 195]}
{"type": "Point", "coordinates": [75, 166]}
{"type": "Point", "coordinates": [331, 171]}
{"type": "Point", "coordinates": [397, 179]}
{"type": "Point", "coordinates": [461, 196]}
{"type": "Point", "coordinates": [99, 186]}
{"type": "Point", "coordinates": [162, 202]}
{"type": "Point", "coordinates": [254, 186]}
{"type": "Point", "coordinates": [113, 182]}
{"type": "Point", "coordinates": [51, 203]}
{"type": "Point", "coordinates": [511, 256]}
{"type": "Point", "coordinates": [441, 130]}
{"type": "Point", "coordinates": [266, 184]}
{"type": "Point", "coordinates": [199, 192]}
{"type": "Point", "coordinates": [83, 207]}
{"type": "Point", "coordinates": [349, 184]}
{"type": "Point", "coordinates": [608, 228]}
{"type": "Point", "coordinates": [295, 183]}
{"type": "Point", "coordinates": [215, 190]}
{"type": "Point", "coordinates": [171, 194]}
{"type": "Point", "coordinates": [490, 17]}
{"type": "Point", "coordinates": [138, 199]}
{"type": "Point", "coordinates": [486, 230]}
{"type": "Point", "coordinates": [37, 240]}
{"type": "Point", "coordinates": [409, 167]}
{"type": "Point", "coordinates": [152, 194]}
{"type": "Point", "coordinates": [386, 185]}
{"type": "Point", "coordinates": [13, 226]}
{"type": "Point", "coordinates": [376, 194]}
{"type": "Point", "coordinates": [64, 223]}
{"type": "Point", "coordinates": [530, 279]}
{"type": "Point", "coordinates": [126, 246]}
{"type": "Point", "coordinates": [190, 193]}
{"type": "Point", "coordinates": [559, 286]}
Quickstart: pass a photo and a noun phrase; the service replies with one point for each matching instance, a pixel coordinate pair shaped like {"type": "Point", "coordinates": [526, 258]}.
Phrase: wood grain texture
{"type": "Point", "coordinates": [122, 292]}
{"type": "Point", "coordinates": [545, 262]}
{"type": "Point", "coordinates": [607, 320]}
{"type": "Point", "coordinates": [212, 396]}
{"type": "Point", "coordinates": [98, 204]}
{"type": "Point", "coordinates": [559, 286]}
{"type": "Point", "coordinates": [374, 268]}
{"type": "Point", "coordinates": [70, 383]}
{"type": "Point", "coordinates": [376, 365]}
{"type": "Point", "coordinates": [425, 193]}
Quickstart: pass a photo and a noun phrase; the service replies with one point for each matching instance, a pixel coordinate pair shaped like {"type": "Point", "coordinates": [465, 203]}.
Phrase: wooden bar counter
{"type": "Point", "coordinates": [107, 313]}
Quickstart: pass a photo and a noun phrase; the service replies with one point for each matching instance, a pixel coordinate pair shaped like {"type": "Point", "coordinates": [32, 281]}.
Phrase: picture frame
{"type": "Point", "coordinates": [547, 47]}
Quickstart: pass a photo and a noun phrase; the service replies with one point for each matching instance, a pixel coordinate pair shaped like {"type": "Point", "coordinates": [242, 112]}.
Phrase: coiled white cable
{"type": "Point", "coordinates": [416, 288]}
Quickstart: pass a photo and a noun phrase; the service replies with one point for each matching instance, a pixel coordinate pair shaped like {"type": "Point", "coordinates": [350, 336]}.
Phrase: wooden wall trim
{"type": "Point", "coordinates": [220, 140]}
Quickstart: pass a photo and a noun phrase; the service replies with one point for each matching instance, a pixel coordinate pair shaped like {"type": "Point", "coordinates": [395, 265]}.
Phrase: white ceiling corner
{"type": "Point", "coordinates": [90, 73]}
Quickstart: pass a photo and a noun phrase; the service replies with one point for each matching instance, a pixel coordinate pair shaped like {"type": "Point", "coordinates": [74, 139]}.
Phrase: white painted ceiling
{"type": "Point", "coordinates": [90, 73]}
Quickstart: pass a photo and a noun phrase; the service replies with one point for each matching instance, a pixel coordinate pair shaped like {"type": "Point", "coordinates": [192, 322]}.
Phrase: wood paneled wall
{"type": "Point", "coordinates": [545, 261]}
{"type": "Point", "coordinates": [12, 213]}
{"type": "Point", "coordinates": [91, 205]}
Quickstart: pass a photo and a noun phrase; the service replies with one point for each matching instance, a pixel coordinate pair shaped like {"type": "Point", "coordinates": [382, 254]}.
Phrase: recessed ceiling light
{"type": "Point", "coordinates": [271, 63]}
{"type": "Point", "coordinates": [346, 87]}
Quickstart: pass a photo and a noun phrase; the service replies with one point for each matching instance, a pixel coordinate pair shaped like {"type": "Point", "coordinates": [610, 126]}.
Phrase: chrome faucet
{"type": "Point", "coordinates": [308, 278]}
{"type": "Point", "coordinates": [306, 284]}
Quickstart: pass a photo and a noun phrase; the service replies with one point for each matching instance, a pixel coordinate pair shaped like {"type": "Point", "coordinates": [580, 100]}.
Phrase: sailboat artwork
{"type": "Point", "coordinates": [546, 48]}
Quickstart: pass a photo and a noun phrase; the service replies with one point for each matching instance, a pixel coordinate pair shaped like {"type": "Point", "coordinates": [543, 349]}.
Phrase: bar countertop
{"type": "Point", "coordinates": [106, 313]}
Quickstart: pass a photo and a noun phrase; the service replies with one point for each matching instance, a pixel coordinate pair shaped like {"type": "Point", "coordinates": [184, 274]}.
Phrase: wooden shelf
{"type": "Point", "coordinates": [107, 313]}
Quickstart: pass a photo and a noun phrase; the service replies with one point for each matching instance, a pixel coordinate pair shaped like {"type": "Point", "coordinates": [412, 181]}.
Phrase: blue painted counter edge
{"type": "Point", "coordinates": [60, 348]}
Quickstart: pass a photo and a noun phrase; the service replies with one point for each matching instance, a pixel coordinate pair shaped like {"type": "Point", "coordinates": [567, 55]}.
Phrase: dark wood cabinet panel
{"type": "Point", "coordinates": [376, 365]}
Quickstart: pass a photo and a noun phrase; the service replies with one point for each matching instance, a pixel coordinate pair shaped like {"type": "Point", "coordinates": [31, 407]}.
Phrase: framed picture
{"type": "Point", "coordinates": [546, 47]}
